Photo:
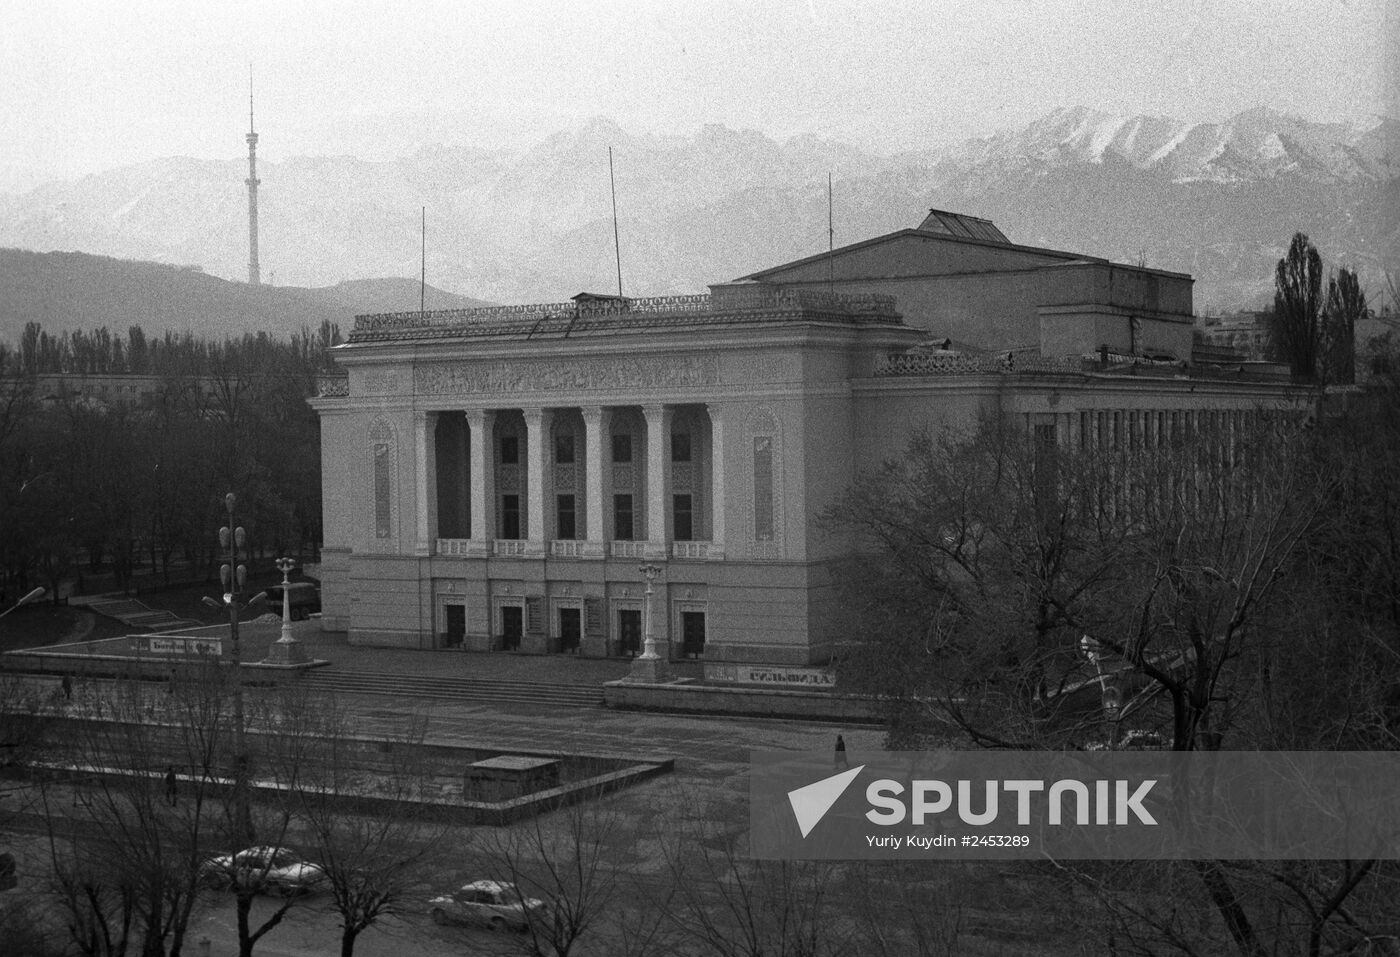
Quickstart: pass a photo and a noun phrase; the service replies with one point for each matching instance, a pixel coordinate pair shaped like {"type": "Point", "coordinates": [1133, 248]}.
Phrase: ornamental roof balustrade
{"type": "Point", "coordinates": [331, 386]}
{"type": "Point", "coordinates": [726, 305]}
{"type": "Point", "coordinates": [916, 364]}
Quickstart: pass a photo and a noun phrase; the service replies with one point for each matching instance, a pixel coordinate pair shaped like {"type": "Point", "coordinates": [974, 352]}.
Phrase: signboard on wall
{"type": "Point", "coordinates": [772, 675]}
{"type": "Point", "coordinates": [178, 646]}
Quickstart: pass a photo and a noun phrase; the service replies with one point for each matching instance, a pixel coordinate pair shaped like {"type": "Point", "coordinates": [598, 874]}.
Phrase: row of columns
{"type": "Point", "coordinates": [597, 423]}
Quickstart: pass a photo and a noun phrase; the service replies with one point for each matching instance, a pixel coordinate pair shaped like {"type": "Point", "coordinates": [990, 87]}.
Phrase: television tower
{"type": "Point", "coordinates": [252, 181]}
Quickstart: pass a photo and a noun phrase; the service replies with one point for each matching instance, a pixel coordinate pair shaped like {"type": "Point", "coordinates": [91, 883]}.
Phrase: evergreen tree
{"type": "Point", "coordinates": [1296, 324]}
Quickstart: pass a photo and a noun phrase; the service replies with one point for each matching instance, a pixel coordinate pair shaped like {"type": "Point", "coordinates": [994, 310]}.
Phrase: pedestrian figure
{"type": "Point", "coordinates": [171, 784]}
{"type": "Point", "coordinates": [841, 762]}
{"type": "Point", "coordinates": [67, 688]}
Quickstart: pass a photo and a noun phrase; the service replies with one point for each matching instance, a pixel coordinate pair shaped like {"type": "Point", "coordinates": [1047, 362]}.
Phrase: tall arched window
{"type": "Point", "coordinates": [381, 439]}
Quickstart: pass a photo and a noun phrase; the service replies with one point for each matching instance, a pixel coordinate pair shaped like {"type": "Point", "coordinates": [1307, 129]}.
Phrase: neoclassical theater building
{"type": "Point", "coordinates": [495, 478]}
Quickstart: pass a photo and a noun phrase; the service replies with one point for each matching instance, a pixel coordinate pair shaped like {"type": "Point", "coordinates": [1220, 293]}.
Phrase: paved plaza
{"type": "Point", "coordinates": [709, 751]}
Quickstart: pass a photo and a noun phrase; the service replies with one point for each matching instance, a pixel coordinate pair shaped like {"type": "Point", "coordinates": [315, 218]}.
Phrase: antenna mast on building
{"type": "Point", "coordinates": [253, 272]}
{"type": "Point", "coordinates": [617, 248]}
{"type": "Point", "coordinates": [830, 237]}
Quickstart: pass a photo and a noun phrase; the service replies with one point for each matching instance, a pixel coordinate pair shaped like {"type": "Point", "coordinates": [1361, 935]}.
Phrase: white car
{"type": "Point", "coordinates": [273, 870]}
{"type": "Point", "coordinates": [493, 903]}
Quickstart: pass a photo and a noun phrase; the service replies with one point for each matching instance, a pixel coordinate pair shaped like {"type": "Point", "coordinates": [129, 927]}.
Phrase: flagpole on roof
{"type": "Point", "coordinates": [423, 261]}
{"type": "Point", "coordinates": [830, 237]}
{"type": "Point", "coordinates": [617, 248]}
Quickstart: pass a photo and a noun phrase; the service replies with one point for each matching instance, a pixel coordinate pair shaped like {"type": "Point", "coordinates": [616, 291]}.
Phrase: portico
{"type": "Point", "coordinates": [586, 482]}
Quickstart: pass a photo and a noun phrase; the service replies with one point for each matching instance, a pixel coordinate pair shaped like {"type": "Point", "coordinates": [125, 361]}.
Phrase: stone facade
{"type": "Point", "coordinates": [495, 478]}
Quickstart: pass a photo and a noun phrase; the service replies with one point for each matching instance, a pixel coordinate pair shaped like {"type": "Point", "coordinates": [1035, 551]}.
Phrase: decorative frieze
{"type": "Point", "coordinates": [543, 375]}
{"type": "Point", "coordinates": [381, 382]}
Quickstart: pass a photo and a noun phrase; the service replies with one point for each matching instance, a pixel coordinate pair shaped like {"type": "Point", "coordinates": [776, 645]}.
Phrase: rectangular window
{"type": "Point", "coordinates": [680, 446]}
{"type": "Point", "coordinates": [622, 447]}
{"type": "Point", "coordinates": [510, 450]}
{"type": "Point", "coordinates": [510, 516]}
{"type": "Point", "coordinates": [682, 519]}
{"type": "Point", "coordinates": [564, 449]}
{"type": "Point", "coordinates": [564, 517]}
{"type": "Point", "coordinates": [763, 488]}
{"type": "Point", "coordinates": [623, 529]}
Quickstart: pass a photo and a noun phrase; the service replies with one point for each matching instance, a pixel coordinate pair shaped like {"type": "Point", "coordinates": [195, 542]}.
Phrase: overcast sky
{"type": "Point", "coordinates": [92, 84]}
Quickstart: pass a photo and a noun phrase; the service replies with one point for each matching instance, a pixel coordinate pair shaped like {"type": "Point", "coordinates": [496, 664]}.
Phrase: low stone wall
{"type": "Point", "coordinates": [691, 698]}
{"type": "Point", "coordinates": [583, 775]}
{"type": "Point", "coordinates": [111, 658]}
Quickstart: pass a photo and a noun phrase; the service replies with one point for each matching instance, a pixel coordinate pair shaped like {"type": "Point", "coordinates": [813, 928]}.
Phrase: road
{"type": "Point", "coordinates": [310, 929]}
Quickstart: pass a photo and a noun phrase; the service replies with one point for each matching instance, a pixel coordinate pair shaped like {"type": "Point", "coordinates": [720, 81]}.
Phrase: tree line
{"type": "Point", "coordinates": [91, 486]}
{"type": "Point", "coordinates": [1311, 327]}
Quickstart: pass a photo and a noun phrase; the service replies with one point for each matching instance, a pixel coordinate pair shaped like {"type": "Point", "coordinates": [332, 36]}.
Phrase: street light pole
{"type": "Point", "coordinates": [648, 666]}
{"type": "Point", "coordinates": [32, 596]}
{"type": "Point", "coordinates": [234, 577]}
{"type": "Point", "coordinates": [286, 650]}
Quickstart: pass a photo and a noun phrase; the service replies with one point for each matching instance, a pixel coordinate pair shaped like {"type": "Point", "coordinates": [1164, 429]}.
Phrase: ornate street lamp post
{"type": "Point", "coordinates": [234, 577]}
{"type": "Point", "coordinates": [286, 650]}
{"type": "Point", "coordinates": [648, 666]}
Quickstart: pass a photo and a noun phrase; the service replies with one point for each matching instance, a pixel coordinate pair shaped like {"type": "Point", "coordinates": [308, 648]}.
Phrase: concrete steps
{"type": "Point", "coordinates": [131, 612]}
{"type": "Point", "coordinates": [460, 690]}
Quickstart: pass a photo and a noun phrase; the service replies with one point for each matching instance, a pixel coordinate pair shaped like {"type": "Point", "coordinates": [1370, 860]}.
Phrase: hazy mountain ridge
{"type": "Point", "coordinates": [71, 291]}
{"type": "Point", "coordinates": [1218, 200]}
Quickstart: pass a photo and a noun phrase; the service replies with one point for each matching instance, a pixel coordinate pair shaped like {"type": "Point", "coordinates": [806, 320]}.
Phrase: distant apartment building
{"type": "Point", "coordinates": [105, 390]}
{"type": "Point", "coordinates": [1245, 333]}
{"type": "Point", "coordinates": [494, 478]}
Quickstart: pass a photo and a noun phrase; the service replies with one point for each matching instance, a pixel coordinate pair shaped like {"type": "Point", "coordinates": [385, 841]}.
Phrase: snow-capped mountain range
{"type": "Point", "coordinates": [1256, 144]}
{"type": "Point", "coordinates": [1217, 200]}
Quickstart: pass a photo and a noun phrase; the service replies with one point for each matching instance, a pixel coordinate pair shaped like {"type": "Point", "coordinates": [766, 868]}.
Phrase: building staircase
{"type": "Point", "coordinates": [135, 614]}
{"type": "Point", "coordinates": [458, 690]}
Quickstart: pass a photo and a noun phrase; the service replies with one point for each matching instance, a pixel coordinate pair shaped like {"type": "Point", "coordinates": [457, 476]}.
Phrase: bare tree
{"type": "Point", "coordinates": [571, 859]}
{"type": "Point", "coordinates": [371, 849]}
{"type": "Point", "coordinates": [126, 854]}
{"type": "Point", "coordinates": [1181, 566]}
{"type": "Point", "coordinates": [731, 905]}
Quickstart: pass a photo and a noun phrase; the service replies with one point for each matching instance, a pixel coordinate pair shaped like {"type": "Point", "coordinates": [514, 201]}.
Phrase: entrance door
{"type": "Point", "coordinates": [692, 633]}
{"type": "Point", "coordinates": [512, 626]}
{"type": "Point", "coordinates": [570, 628]}
{"type": "Point", "coordinates": [456, 626]}
{"type": "Point", "coordinates": [629, 632]}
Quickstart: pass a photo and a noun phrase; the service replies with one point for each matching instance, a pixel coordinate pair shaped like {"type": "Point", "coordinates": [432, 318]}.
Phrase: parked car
{"type": "Point", "coordinates": [272, 870]}
{"type": "Point", "coordinates": [303, 599]}
{"type": "Point", "coordinates": [493, 903]}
